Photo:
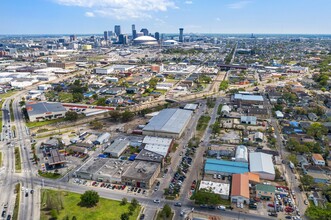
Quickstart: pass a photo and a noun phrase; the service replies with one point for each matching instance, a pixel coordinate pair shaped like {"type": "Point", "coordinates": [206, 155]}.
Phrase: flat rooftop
{"type": "Point", "coordinates": [218, 188]}
{"type": "Point", "coordinates": [106, 167]}
{"type": "Point", "coordinates": [141, 170]}
{"type": "Point", "coordinates": [37, 108]}
{"type": "Point", "coordinates": [169, 120]}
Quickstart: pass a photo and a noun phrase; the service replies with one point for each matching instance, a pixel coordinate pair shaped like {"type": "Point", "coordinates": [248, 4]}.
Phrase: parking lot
{"type": "Point", "coordinates": [113, 187]}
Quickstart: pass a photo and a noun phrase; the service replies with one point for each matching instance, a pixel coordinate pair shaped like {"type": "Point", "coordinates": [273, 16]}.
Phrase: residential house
{"type": "Point", "coordinates": [312, 116]}
{"type": "Point", "coordinates": [318, 159]}
{"type": "Point", "coordinates": [258, 136]}
{"type": "Point", "coordinates": [258, 112]}
{"type": "Point", "coordinates": [251, 120]}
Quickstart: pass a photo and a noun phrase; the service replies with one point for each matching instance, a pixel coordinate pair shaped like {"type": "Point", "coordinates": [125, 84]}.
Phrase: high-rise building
{"type": "Point", "coordinates": [134, 32]}
{"type": "Point", "coordinates": [105, 35]}
{"type": "Point", "coordinates": [117, 30]}
{"type": "Point", "coordinates": [110, 34]}
{"type": "Point", "coordinates": [157, 36]}
{"type": "Point", "coordinates": [122, 39]}
{"type": "Point", "coordinates": [73, 38]}
{"type": "Point", "coordinates": [145, 31]}
{"type": "Point", "coordinates": [181, 37]}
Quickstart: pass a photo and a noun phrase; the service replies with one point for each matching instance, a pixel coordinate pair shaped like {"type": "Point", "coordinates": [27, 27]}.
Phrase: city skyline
{"type": "Point", "coordinates": [166, 16]}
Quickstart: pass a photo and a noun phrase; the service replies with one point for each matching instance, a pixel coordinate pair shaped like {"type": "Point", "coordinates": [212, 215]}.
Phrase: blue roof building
{"type": "Point", "coordinates": [225, 167]}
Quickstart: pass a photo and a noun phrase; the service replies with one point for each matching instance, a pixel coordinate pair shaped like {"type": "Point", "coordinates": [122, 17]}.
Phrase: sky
{"type": "Point", "coordinates": [165, 16]}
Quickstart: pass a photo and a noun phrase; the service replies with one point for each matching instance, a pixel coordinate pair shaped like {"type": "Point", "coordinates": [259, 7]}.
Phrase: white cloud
{"type": "Point", "coordinates": [218, 19]}
{"type": "Point", "coordinates": [188, 2]}
{"type": "Point", "coordinates": [121, 9]}
{"type": "Point", "coordinates": [89, 14]}
{"type": "Point", "coordinates": [238, 5]}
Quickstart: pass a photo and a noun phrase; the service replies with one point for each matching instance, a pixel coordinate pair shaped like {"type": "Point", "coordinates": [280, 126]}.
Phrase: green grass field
{"type": "Point", "coordinates": [49, 175]}
{"type": "Point", "coordinates": [65, 97]}
{"type": "Point", "coordinates": [67, 204]}
{"type": "Point", "coordinates": [2, 99]}
{"type": "Point", "coordinates": [42, 123]}
{"type": "Point", "coordinates": [17, 160]}
{"type": "Point", "coordinates": [8, 94]}
{"type": "Point", "coordinates": [17, 201]}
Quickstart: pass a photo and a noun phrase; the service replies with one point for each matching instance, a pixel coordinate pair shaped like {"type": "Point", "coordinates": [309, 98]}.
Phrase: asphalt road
{"type": "Point", "coordinates": [6, 178]}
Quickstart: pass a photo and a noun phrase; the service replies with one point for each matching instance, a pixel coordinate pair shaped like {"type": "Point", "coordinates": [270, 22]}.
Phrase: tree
{"type": "Point", "coordinates": [89, 199]}
{"type": "Point", "coordinates": [101, 101]}
{"type": "Point", "coordinates": [74, 218]}
{"type": "Point", "coordinates": [293, 159]}
{"type": "Point", "coordinates": [71, 116]}
{"type": "Point", "coordinates": [115, 115]}
{"type": "Point", "coordinates": [96, 124]}
{"type": "Point", "coordinates": [317, 130]}
{"type": "Point", "coordinates": [307, 180]}
{"type": "Point", "coordinates": [206, 197]}
{"type": "Point", "coordinates": [277, 173]}
{"type": "Point", "coordinates": [95, 96]}
{"type": "Point", "coordinates": [77, 97]}
{"type": "Point", "coordinates": [131, 209]}
{"type": "Point", "coordinates": [124, 201]}
{"type": "Point", "coordinates": [166, 211]}
{"type": "Point", "coordinates": [216, 128]}
{"type": "Point", "coordinates": [224, 85]}
{"type": "Point", "coordinates": [317, 212]}
{"type": "Point", "coordinates": [127, 116]}
{"type": "Point", "coordinates": [125, 216]}
{"type": "Point", "coordinates": [54, 213]}
{"type": "Point", "coordinates": [134, 203]}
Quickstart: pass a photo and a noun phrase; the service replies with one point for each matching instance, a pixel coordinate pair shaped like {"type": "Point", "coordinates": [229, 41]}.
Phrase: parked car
{"type": "Point", "coordinates": [273, 214]}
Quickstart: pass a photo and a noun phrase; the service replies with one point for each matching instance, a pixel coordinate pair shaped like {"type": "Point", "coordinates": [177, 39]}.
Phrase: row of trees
{"type": "Point", "coordinates": [132, 207]}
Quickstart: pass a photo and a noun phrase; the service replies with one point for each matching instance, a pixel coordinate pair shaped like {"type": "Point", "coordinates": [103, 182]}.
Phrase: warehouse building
{"type": "Point", "coordinates": [158, 145]}
{"type": "Point", "coordinates": [141, 174]}
{"type": "Point", "coordinates": [117, 148]}
{"type": "Point", "coordinates": [40, 111]}
{"type": "Point", "coordinates": [169, 123]}
{"type": "Point", "coordinates": [240, 188]}
{"type": "Point", "coordinates": [103, 169]}
{"type": "Point", "coordinates": [248, 99]}
{"type": "Point", "coordinates": [261, 163]}
{"type": "Point", "coordinates": [149, 156]}
{"type": "Point", "coordinates": [103, 138]}
{"type": "Point", "coordinates": [225, 167]}
{"type": "Point", "coordinates": [104, 70]}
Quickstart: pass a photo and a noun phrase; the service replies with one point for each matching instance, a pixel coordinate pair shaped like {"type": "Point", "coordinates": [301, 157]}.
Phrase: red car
{"type": "Point", "coordinates": [289, 209]}
{"type": "Point", "coordinates": [271, 205]}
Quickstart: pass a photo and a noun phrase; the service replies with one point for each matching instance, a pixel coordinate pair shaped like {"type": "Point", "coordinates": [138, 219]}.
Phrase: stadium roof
{"type": "Point", "coordinates": [169, 121]}
{"type": "Point", "coordinates": [226, 166]}
{"type": "Point", "coordinates": [261, 162]}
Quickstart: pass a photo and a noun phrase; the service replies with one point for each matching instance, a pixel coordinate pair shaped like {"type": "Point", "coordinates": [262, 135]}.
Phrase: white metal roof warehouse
{"type": "Point", "coordinates": [262, 164]}
{"type": "Point", "coordinates": [168, 123]}
{"type": "Point", "coordinates": [157, 145]}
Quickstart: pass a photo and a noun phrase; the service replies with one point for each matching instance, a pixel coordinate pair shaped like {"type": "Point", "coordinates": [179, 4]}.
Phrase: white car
{"type": "Point", "coordinates": [156, 201]}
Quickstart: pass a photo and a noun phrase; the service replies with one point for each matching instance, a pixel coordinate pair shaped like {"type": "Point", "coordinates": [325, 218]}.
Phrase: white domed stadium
{"type": "Point", "coordinates": [145, 40]}
{"type": "Point", "coordinates": [170, 43]}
